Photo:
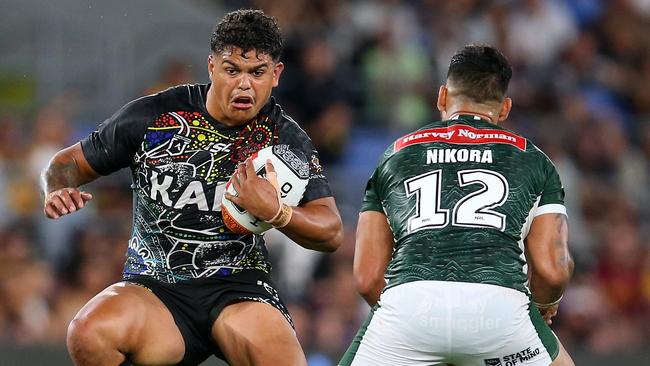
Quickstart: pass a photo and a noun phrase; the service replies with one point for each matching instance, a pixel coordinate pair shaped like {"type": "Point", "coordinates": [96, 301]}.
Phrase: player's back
{"type": "Point", "coordinates": [459, 196]}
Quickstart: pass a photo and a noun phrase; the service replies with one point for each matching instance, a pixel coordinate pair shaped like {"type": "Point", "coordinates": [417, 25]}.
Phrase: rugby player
{"type": "Point", "coordinates": [191, 288]}
{"type": "Point", "coordinates": [454, 217]}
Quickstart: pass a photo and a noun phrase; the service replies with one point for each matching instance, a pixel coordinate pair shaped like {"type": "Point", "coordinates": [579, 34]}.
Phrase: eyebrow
{"type": "Point", "coordinates": [254, 68]}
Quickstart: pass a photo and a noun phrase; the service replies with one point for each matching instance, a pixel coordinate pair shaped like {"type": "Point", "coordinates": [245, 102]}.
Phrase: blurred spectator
{"type": "Point", "coordinates": [538, 31]}
{"type": "Point", "coordinates": [173, 72]}
{"type": "Point", "coordinates": [319, 93]}
{"type": "Point", "coordinates": [25, 284]}
{"type": "Point", "coordinates": [397, 82]}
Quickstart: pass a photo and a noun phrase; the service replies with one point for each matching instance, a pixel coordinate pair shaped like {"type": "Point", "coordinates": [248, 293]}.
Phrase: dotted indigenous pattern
{"type": "Point", "coordinates": [179, 174]}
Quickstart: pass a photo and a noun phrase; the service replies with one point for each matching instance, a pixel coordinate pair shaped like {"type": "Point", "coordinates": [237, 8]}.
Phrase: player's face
{"type": "Point", "coordinates": [241, 84]}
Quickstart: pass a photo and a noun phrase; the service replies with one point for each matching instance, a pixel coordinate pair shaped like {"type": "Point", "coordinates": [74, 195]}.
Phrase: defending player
{"type": "Point", "coordinates": [191, 287]}
{"type": "Point", "coordinates": [452, 215]}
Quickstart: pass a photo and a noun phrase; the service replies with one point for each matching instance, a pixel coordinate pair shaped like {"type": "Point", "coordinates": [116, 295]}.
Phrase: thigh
{"type": "Point", "coordinates": [383, 340]}
{"type": "Point", "coordinates": [256, 334]}
{"type": "Point", "coordinates": [515, 334]}
{"type": "Point", "coordinates": [563, 358]}
{"type": "Point", "coordinates": [136, 322]}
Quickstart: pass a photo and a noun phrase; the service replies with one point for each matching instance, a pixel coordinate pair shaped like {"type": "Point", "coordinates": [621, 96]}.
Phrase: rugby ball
{"type": "Point", "coordinates": [293, 175]}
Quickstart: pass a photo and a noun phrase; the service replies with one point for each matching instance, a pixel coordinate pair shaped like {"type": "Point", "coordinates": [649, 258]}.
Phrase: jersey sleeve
{"type": "Point", "coordinates": [318, 186]}
{"type": "Point", "coordinates": [115, 142]}
{"type": "Point", "coordinates": [552, 196]}
{"type": "Point", "coordinates": [295, 137]}
{"type": "Point", "coordinates": [372, 199]}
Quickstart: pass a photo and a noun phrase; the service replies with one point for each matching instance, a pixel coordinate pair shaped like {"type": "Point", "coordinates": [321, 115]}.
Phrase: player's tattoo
{"type": "Point", "coordinates": [562, 225]}
{"type": "Point", "coordinates": [60, 175]}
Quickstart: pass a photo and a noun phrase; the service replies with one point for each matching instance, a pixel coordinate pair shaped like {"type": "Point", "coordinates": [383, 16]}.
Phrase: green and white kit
{"type": "Point", "coordinates": [459, 196]}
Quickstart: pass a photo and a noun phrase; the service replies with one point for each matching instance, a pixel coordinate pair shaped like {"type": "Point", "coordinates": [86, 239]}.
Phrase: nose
{"type": "Point", "coordinates": [244, 81]}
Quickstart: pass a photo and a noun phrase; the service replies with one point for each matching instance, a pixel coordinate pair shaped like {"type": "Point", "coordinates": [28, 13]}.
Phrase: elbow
{"type": "Point", "coordinates": [564, 271]}
{"type": "Point", "coordinates": [558, 280]}
{"type": "Point", "coordinates": [369, 286]}
{"type": "Point", "coordinates": [364, 284]}
{"type": "Point", "coordinates": [334, 241]}
{"type": "Point", "coordinates": [559, 276]}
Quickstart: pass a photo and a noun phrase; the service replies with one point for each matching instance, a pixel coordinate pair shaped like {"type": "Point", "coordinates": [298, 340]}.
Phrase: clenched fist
{"type": "Point", "coordinates": [64, 201]}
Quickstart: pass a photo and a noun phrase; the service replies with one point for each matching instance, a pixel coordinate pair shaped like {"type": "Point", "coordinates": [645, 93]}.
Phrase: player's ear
{"type": "Point", "coordinates": [506, 106]}
{"type": "Point", "coordinates": [442, 98]}
{"type": "Point", "coordinates": [277, 71]}
{"type": "Point", "coordinates": [210, 65]}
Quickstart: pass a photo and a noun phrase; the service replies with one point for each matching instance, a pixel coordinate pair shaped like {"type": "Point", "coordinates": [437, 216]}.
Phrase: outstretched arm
{"type": "Point", "coordinates": [66, 171]}
{"type": "Point", "coordinates": [373, 251]}
{"type": "Point", "coordinates": [551, 265]}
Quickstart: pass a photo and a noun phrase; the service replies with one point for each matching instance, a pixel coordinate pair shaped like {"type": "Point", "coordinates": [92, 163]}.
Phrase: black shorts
{"type": "Point", "coordinates": [196, 304]}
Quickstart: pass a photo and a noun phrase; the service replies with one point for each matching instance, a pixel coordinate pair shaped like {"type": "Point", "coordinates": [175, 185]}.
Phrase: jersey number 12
{"type": "Point", "coordinates": [473, 210]}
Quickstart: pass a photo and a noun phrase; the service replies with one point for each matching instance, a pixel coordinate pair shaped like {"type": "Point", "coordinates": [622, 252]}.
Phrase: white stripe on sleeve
{"type": "Point", "coordinates": [551, 208]}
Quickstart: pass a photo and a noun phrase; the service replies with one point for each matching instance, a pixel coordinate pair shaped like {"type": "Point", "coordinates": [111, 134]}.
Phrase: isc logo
{"type": "Point", "coordinates": [217, 147]}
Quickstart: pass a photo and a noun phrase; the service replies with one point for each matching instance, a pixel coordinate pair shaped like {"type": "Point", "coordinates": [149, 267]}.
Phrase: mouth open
{"type": "Point", "coordinates": [242, 102]}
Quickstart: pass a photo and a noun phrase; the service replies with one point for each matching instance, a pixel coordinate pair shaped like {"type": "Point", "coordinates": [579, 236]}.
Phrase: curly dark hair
{"type": "Point", "coordinates": [480, 72]}
{"type": "Point", "coordinates": [249, 30]}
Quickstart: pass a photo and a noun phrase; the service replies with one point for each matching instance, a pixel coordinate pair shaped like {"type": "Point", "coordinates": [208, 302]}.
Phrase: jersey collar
{"type": "Point", "coordinates": [467, 116]}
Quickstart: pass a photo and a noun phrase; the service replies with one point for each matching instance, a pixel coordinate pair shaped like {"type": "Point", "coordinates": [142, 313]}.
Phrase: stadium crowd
{"type": "Point", "coordinates": [581, 91]}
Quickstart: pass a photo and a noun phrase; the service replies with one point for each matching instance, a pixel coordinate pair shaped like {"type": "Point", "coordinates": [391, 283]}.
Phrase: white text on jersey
{"type": "Point", "coordinates": [193, 194]}
{"type": "Point", "coordinates": [438, 156]}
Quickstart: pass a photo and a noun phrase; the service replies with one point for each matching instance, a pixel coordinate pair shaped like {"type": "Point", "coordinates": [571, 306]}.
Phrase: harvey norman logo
{"type": "Point", "coordinates": [461, 135]}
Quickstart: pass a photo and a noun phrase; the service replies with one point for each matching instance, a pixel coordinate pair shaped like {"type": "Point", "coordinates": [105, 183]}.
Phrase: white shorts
{"type": "Point", "coordinates": [426, 323]}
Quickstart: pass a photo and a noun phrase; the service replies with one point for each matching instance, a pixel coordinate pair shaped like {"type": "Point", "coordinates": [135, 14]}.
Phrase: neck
{"type": "Point", "coordinates": [486, 116]}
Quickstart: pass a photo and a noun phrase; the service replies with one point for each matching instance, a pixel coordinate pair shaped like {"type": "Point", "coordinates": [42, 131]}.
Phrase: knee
{"type": "Point", "coordinates": [83, 335]}
{"type": "Point", "coordinates": [89, 333]}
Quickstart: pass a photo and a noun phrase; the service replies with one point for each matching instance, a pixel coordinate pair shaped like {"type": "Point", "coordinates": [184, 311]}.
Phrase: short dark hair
{"type": "Point", "coordinates": [249, 30]}
{"type": "Point", "coordinates": [480, 72]}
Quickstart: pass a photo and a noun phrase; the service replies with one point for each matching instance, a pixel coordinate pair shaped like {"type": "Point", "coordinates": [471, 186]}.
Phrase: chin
{"type": "Point", "coordinates": [242, 117]}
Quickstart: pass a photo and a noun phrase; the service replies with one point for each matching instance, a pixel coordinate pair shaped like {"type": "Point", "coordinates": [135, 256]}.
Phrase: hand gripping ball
{"type": "Point", "coordinates": [293, 175]}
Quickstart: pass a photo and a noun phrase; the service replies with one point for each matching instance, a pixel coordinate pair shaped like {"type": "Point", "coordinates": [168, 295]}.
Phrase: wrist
{"type": "Point", "coordinates": [282, 218]}
{"type": "Point", "coordinates": [549, 304]}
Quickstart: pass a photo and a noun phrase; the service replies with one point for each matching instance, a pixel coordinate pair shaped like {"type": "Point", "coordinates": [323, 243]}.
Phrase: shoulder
{"type": "Point", "coordinates": [289, 129]}
{"type": "Point", "coordinates": [431, 132]}
{"type": "Point", "coordinates": [180, 97]}
{"type": "Point", "coordinates": [539, 155]}
{"type": "Point", "coordinates": [531, 151]}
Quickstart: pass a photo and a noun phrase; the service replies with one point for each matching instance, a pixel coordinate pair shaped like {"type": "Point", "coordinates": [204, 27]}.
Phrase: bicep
{"type": "Point", "coordinates": [327, 202]}
{"type": "Point", "coordinates": [547, 241]}
{"type": "Point", "coordinates": [374, 244]}
{"type": "Point", "coordinates": [321, 210]}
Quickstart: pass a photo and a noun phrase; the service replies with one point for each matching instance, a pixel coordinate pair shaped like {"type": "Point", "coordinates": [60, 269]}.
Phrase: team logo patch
{"type": "Point", "coordinates": [513, 359]}
{"type": "Point", "coordinates": [314, 165]}
{"type": "Point", "coordinates": [492, 362]}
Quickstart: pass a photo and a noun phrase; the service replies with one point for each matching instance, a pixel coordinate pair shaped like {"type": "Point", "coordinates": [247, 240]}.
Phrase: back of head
{"type": "Point", "coordinates": [248, 30]}
{"type": "Point", "coordinates": [480, 73]}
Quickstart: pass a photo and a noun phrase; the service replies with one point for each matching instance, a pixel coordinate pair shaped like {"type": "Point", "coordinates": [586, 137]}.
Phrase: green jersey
{"type": "Point", "coordinates": [460, 196]}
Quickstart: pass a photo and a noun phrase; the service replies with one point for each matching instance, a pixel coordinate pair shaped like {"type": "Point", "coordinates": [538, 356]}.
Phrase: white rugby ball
{"type": "Point", "coordinates": [293, 175]}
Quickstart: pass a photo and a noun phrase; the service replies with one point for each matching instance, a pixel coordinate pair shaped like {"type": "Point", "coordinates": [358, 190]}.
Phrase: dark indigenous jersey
{"type": "Point", "coordinates": [180, 159]}
{"type": "Point", "coordinates": [460, 196]}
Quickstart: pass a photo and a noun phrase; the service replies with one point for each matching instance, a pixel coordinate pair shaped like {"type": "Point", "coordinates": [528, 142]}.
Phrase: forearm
{"type": "Point", "coordinates": [373, 251]}
{"type": "Point", "coordinates": [64, 170]}
{"type": "Point", "coordinates": [550, 262]}
{"type": "Point", "coordinates": [544, 291]}
{"type": "Point", "coordinates": [372, 293]}
{"type": "Point", "coordinates": [315, 227]}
